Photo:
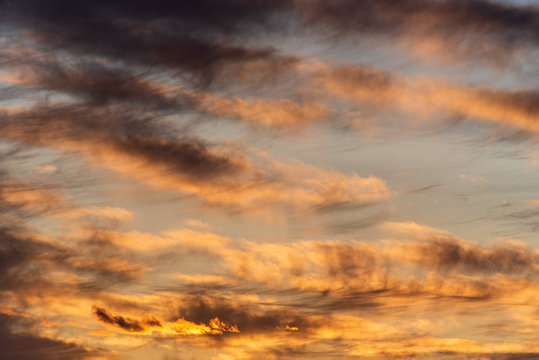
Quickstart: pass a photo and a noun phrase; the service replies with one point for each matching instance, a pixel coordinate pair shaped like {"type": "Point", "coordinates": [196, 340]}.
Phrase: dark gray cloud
{"type": "Point", "coordinates": [124, 323]}
{"type": "Point", "coordinates": [25, 346]}
{"type": "Point", "coordinates": [19, 265]}
{"type": "Point", "coordinates": [250, 318]}
{"type": "Point", "coordinates": [122, 130]}
{"type": "Point", "coordinates": [348, 261]}
{"type": "Point", "coordinates": [191, 37]}
{"type": "Point", "coordinates": [478, 28]}
{"type": "Point", "coordinates": [452, 255]}
{"type": "Point", "coordinates": [97, 84]}
{"type": "Point", "coordinates": [26, 263]}
{"type": "Point", "coordinates": [199, 38]}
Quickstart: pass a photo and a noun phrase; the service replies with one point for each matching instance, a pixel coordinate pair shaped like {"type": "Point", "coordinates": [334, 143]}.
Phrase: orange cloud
{"type": "Point", "coordinates": [219, 177]}
{"type": "Point", "coordinates": [150, 325]}
{"type": "Point", "coordinates": [427, 97]}
{"type": "Point", "coordinates": [279, 113]}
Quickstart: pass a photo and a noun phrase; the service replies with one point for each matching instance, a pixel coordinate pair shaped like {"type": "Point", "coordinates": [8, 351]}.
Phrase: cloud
{"type": "Point", "coordinates": [450, 30]}
{"type": "Point", "coordinates": [442, 251]}
{"type": "Point", "coordinates": [177, 37]}
{"type": "Point", "coordinates": [126, 86]}
{"type": "Point", "coordinates": [130, 145]}
{"type": "Point", "coordinates": [29, 346]}
{"type": "Point", "coordinates": [317, 285]}
{"type": "Point", "coordinates": [450, 254]}
{"type": "Point", "coordinates": [126, 324]}
{"type": "Point", "coordinates": [249, 318]}
{"type": "Point", "coordinates": [477, 179]}
{"type": "Point", "coordinates": [106, 212]}
{"type": "Point", "coordinates": [420, 265]}
{"type": "Point", "coordinates": [33, 264]}
{"type": "Point", "coordinates": [150, 325]}
{"type": "Point", "coordinates": [528, 216]}
{"type": "Point", "coordinates": [200, 42]}
{"type": "Point", "coordinates": [44, 169]}
{"type": "Point", "coordinates": [279, 113]}
{"type": "Point", "coordinates": [32, 199]}
{"type": "Point", "coordinates": [428, 98]}
{"type": "Point", "coordinates": [96, 73]}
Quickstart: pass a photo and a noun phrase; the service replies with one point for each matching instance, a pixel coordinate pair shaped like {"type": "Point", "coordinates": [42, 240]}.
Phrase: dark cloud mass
{"type": "Point", "coordinates": [476, 28]}
{"type": "Point", "coordinates": [123, 131]}
{"type": "Point", "coordinates": [197, 37]}
{"type": "Point", "coordinates": [99, 85]}
{"type": "Point", "coordinates": [450, 254]}
{"type": "Point", "coordinates": [181, 36]}
{"type": "Point", "coordinates": [127, 324]}
{"type": "Point", "coordinates": [349, 261]}
{"type": "Point", "coordinates": [27, 261]}
{"type": "Point", "coordinates": [19, 266]}
{"type": "Point", "coordinates": [25, 346]}
{"type": "Point", "coordinates": [249, 319]}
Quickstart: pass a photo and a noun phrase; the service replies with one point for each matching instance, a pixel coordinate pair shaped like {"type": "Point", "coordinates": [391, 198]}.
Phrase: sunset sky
{"type": "Point", "coordinates": [269, 179]}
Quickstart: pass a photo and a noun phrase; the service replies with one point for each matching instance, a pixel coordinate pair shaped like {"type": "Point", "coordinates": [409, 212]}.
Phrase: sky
{"type": "Point", "coordinates": [269, 179]}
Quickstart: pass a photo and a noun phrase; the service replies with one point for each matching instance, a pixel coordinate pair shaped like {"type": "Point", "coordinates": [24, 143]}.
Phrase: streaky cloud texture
{"type": "Point", "coordinates": [269, 179]}
{"type": "Point", "coordinates": [18, 346]}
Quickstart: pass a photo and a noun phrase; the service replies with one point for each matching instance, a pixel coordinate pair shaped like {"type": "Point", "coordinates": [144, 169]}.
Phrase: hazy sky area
{"type": "Point", "coordinates": [277, 179]}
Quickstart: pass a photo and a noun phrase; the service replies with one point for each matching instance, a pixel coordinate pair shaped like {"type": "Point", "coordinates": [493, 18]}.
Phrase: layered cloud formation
{"type": "Point", "coordinates": [271, 179]}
